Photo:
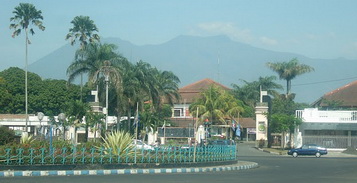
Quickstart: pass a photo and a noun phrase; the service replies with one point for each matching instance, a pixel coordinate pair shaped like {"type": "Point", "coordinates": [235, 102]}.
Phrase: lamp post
{"type": "Point", "coordinates": [106, 100]}
{"type": "Point", "coordinates": [40, 116]}
{"type": "Point", "coordinates": [61, 118]}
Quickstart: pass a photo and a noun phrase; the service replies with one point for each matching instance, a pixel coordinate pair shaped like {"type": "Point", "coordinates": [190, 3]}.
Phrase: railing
{"type": "Point", "coordinates": [331, 141]}
{"type": "Point", "coordinates": [315, 115]}
{"type": "Point", "coordinates": [75, 156]}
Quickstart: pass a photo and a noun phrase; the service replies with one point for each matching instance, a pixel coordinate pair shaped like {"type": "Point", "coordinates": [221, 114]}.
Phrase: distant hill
{"type": "Point", "coordinates": [219, 58]}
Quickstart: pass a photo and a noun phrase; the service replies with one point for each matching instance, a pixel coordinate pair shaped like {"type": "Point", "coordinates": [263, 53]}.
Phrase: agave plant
{"type": "Point", "coordinates": [26, 139]}
{"type": "Point", "coordinates": [119, 142]}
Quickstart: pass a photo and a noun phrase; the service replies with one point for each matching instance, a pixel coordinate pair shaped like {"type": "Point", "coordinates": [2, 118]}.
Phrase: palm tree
{"type": "Point", "coordinates": [90, 60]}
{"type": "Point", "coordinates": [249, 93]}
{"type": "Point", "coordinates": [167, 83]}
{"type": "Point", "coordinates": [100, 62]}
{"type": "Point", "coordinates": [26, 15]}
{"type": "Point", "coordinates": [216, 105]}
{"type": "Point", "coordinates": [84, 30]}
{"type": "Point", "coordinates": [289, 70]}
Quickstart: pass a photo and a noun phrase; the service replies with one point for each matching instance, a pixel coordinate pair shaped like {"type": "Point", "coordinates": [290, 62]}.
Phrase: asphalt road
{"type": "Point", "coordinates": [272, 168]}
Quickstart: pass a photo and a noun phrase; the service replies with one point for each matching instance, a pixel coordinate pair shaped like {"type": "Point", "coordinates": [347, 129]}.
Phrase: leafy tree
{"type": "Point", "coordinates": [75, 111]}
{"type": "Point", "coordinates": [93, 121]}
{"type": "Point", "coordinates": [152, 118]}
{"type": "Point", "coordinates": [282, 118]}
{"type": "Point", "coordinates": [26, 15]}
{"type": "Point", "coordinates": [289, 70]}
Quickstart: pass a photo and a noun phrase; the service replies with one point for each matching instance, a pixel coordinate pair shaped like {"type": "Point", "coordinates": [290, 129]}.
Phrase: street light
{"type": "Point", "coordinates": [61, 118]}
{"type": "Point", "coordinates": [106, 100]}
{"type": "Point", "coordinates": [40, 116]}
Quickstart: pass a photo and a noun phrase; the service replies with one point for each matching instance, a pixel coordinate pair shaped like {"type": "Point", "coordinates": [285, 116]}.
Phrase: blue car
{"type": "Point", "coordinates": [308, 149]}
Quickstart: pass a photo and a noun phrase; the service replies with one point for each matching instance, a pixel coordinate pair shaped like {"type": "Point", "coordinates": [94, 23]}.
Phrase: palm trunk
{"type": "Point", "coordinates": [26, 97]}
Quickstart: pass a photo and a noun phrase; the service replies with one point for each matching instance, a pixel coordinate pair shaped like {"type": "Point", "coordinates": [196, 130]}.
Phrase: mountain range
{"type": "Point", "coordinates": [226, 61]}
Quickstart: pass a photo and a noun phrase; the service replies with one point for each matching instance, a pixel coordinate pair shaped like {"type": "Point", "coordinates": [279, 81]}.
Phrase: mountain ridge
{"type": "Point", "coordinates": [193, 58]}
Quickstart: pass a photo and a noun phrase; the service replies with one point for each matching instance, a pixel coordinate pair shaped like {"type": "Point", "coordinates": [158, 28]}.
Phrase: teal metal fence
{"type": "Point", "coordinates": [75, 156]}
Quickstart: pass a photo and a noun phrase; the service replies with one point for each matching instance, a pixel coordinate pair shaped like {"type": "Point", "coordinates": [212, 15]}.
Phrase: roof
{"type": "Point", "coordinates": [247, 122]}
{"type": "Point", "coordinates": [12, 116]}
{"type": "Point", "coordinates": [190, 92]}
{"type": "Point", "coordinates": [347, 95]}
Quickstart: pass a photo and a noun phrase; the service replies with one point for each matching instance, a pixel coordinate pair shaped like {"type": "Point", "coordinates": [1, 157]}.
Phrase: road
{"type": "Point", "coordinates": [272, 168]}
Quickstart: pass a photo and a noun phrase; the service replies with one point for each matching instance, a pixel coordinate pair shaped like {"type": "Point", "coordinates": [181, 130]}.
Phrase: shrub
{"type": "Point", "coordinates": [261, 143]}
{"type": "Point", "coordinates": [6, 135]}
{"type": "Point", "coordinates": [118, 140]}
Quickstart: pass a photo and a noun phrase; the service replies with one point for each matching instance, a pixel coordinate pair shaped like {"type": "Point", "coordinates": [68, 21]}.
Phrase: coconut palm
{"type": "Point", "coordinates": [26, 15]}
{"type": "Point", "coordinates": [101, 63]}
{"type": "Point", "coordinates": [167, 84]}
{"type": "Point", "coordinates": [216, 105]}
{"type": "Point", "coordinates": [289, 70]}
{"type": "Point", "coordinates": [83, 30]}
{"type": "Point", "coordinates": [90, 60]}
{"type": "Point", "coordinates": [249, 93]}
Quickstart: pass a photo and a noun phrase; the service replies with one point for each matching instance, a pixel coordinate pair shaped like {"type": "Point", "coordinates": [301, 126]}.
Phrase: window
{"type": "Point", "coordinates": [178, 112]}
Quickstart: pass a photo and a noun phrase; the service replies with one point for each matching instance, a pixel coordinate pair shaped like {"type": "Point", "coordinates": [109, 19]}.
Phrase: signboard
{"type": "Point", "coordinates": [251, 131]}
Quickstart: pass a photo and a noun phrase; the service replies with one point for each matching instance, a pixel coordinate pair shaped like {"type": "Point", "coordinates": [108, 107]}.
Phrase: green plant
{"type": "Point", "coordinates": [120, 142]}
{"type": "Point", "coordinates": [261, 143]}
{"type": "Point", "coordinates": [6, 135]}
{"type": "Point", "coordinates": [26, 139]}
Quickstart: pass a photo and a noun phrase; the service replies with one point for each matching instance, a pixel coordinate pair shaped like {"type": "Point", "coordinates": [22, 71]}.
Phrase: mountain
{"type": "Point", "coordinates": [194, 58]}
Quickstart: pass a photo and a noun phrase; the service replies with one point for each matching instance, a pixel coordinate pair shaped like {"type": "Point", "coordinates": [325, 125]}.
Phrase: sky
{"type": "Point", "coordinates": [315, 28]}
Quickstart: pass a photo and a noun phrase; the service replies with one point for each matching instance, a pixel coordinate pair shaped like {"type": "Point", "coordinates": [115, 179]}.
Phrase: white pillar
{"type": "Point", "coordinates": [261, 112]}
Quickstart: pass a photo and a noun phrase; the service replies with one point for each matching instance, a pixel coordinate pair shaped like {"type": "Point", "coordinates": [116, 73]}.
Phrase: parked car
{"type": "Point", "coordinates": [308, 149]}
{"type": "Point", "coordinates": [141, 145]}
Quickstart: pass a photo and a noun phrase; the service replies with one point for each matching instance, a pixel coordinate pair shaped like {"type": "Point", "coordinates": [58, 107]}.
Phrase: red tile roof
{"type": "Point", "coordinates": [347, 95]}
{"type": "Point", "coordinates": [190, 92]}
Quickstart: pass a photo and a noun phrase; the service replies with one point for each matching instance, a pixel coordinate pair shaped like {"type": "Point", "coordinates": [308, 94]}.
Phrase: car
{"type": "Point", "coordinates": [138, 144]}
{"type": "Point", "coordinates": [308, 149]}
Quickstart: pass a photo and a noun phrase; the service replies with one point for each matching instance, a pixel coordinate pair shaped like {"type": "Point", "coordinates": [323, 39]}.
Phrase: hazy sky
{"type": "Point", "coordinates": [314, 28]}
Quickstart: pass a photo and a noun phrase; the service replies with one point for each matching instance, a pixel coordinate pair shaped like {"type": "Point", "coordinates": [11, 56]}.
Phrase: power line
{"type": "Point", "coordinates": [319, 82]}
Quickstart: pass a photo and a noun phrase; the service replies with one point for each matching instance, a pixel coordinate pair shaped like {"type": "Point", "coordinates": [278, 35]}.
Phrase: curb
{"type": "Point", "coordinates": [242, 165]}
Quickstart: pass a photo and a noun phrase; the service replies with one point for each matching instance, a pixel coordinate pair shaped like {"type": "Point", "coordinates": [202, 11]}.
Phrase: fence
{"type": "Point", "coordinates": [331, 141]}
{"type": "Point", "coordinates": [75, 156]}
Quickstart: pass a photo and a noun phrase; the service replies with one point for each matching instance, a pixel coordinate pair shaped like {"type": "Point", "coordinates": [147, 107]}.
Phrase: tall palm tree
{"type": "Point", "coordinates": [26, 15]}
{"type": "Point", "coordinates": [100, 62]}
{"type": "Point", "coordinates": [84, 30]}
{"type": "Point", "coordinates": [289, 70]}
